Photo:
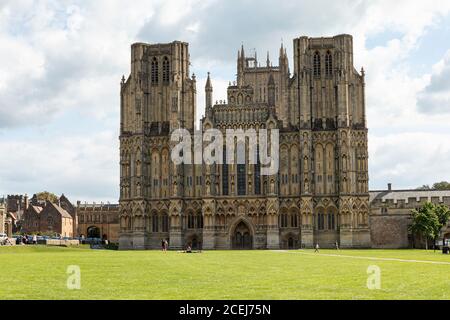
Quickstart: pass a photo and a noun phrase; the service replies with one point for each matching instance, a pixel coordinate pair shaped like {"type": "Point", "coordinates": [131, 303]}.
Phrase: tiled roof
{"type": "Point", "coordinates": [63, 212]}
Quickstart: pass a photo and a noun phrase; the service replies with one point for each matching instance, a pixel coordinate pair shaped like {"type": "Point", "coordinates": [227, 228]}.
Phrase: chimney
{"type": "Point", "coordinates": [26, 201]}
{"type": "Point", "coordinates": [389, 186]}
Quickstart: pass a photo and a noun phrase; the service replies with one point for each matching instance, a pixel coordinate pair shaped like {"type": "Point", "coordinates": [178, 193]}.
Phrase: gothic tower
{"type": "Point", "coordinates": [330, 99]}
{"type": "Point", "coordinates": [158, 97]}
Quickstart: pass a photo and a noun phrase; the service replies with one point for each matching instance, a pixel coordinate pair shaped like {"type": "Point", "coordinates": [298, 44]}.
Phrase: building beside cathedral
{"type": "Point", "coordinates": [318, 195]}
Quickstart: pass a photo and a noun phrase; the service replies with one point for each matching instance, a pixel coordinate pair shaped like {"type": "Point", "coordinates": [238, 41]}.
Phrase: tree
{"type": "Point", "coordinates": [443, 185]}
{"type": "Point", "coordinates": [45, 195]}
{"type": "Point", "coordinates": [443, 215]}
{"type": "Point", "coordinates": [425, 222]}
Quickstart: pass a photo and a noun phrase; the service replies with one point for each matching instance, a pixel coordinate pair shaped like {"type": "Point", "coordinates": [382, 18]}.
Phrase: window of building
{"type": "Point", "coordinates": [166, 70]}
{"type": "Point", "coordinates": [316, 64]}
{"type": "Point", "coordinates": [257, 175]}
{"type": "Point", "coordinates": [165, 223]}
{"type": "Point", "coordinates": [320, 221]}
{"type": "Point", "coordinates": [155, 222]}
{"type": "Point", "coordinates": [331, 221]}
{"type": "Point", "coordinates": [191, 221]}
{"type": "Point", "coordinates": [241, 179]}
{"type": "Point", "coordinates": [225, 173]}
{"type": "Point", "coordinates": [199, 221]}
{"type": "Point", "coordinates": [283, 220]}
{"type": "Point", "coordinates": [328, 64]}
{"type": "Point", "coordinates": [294, 220]}
{"type": "Point", "coordinates": [154, 71]}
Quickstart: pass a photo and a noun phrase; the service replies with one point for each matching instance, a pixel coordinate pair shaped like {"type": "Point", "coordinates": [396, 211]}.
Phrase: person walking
{"type": "Point", "coordinates": [317, 248]}
{"type": "Point", "coordinates": [162, 245]}
{"type": "Point", "coordinates": [337, 246]}
{"type": "Point", "coordinates": [34, 239]}
{"type": "Point", "coordinates": [166, 244]}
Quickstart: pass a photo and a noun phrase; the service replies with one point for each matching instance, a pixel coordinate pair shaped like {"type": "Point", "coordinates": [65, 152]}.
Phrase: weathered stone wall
{"type": "Point", "coordinates": [389, 231]}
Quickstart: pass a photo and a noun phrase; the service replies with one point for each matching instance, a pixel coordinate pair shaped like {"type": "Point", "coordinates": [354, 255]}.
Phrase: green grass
{"type": "Point", "coordinates": [39, 272]}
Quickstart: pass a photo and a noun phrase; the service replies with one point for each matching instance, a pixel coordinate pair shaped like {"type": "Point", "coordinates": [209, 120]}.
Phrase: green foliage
{"type": "Point", "coordinates": [443, 214]}
{"type": "Point", "coordinates": [45, 195]}
{"type": "Point", "coordinates": [443, 185]}
{"type": "Point", "coordinates": [429, 220]}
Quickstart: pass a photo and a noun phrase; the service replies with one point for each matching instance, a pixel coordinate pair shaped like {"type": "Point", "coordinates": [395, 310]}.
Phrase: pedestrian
{"type": "Point", "coordinates": [166, 244]}
{"type": "Point", "coordinates": [337, 246]}
{"type": "Point", "coordinates": [162, 244]}
{"type": "Point", "coordinates": [34, 239]}
{"type": "Point", "coordinates": [317, 248]}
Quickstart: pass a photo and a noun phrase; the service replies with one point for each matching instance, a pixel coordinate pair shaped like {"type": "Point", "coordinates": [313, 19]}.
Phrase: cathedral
{"type": "Point", "coordinates": [319, 194]}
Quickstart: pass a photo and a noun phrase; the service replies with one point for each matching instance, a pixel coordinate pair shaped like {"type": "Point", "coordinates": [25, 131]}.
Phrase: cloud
{"type": "Point", "coordinates": [435, 97]}
{"type": "Point", "coordinates": [83, 167]}
{"type": "Point", "coordinates": [409, 159]}
{"type": "Point", "coordinates": [59, 58]}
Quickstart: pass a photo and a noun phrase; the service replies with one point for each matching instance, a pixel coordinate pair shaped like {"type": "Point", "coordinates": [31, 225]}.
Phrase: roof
{"type": "Point", "coordinates": [38, 209]}
{"type": "Point", "coordinates": [12, 215]}
{"type": "Point", "coordinates": [63, 212]}
{"type": "Point", "coordinates": [396, 195]}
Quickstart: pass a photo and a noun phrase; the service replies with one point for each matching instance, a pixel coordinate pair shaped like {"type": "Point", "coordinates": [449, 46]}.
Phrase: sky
{"type": "Point", "coordinates": [61, 63]}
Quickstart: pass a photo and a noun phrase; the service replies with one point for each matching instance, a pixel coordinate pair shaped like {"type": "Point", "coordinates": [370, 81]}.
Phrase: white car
{"type": "Point", "coordinates": [3, 238]}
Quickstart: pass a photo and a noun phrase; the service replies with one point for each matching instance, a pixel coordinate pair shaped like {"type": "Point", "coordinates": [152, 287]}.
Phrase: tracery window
{"type": "Point", "coordinates": [225, 173]}
{"type": "Point", "coordinates": [316, 64]}
{"type": "Point", "coordinates": [328, 64]}
{"type": "Point", "coordinates": [154, 71]}
{"type": "Point", "coordinates": [241, 179]}
{"type": "Point", "coordinates": [166, 70]}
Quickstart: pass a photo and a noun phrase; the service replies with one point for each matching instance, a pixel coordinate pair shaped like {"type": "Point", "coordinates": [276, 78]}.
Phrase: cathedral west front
{"type": "Point", "coordinates": [318, 195]}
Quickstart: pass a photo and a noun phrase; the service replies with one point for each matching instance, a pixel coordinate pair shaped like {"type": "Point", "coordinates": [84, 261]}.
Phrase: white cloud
{"type": "Point", "coordinates": [61, 56]}
{"type": "Point", "coordinates": [435, 97]}
{"type": "Point", "coordinates": [83, 167]}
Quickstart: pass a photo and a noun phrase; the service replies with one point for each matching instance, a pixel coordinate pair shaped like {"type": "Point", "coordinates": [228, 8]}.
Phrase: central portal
{"type": "Point", "coordinates": [242, 238]}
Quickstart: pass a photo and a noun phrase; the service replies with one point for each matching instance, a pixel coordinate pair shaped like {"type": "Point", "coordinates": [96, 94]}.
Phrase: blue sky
{"type": "Point", "coordinates": [61, 64]}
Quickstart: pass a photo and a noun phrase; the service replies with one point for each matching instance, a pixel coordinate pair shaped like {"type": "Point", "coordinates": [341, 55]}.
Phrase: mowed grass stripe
{"type": "Point", "coordinates": [362, 257]}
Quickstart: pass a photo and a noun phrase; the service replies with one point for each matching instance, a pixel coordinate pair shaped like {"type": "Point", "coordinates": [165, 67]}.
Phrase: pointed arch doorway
{"type": "Point", "coordinates": [241, 238]}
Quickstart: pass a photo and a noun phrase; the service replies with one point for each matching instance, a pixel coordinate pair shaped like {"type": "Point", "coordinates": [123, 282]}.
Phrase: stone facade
{"type": "Point", "coordinates": [390, 215]}
{"type": "Point", "coordinates": [98, 221]}
{"type": "Point", "coordinates": [320, 193]}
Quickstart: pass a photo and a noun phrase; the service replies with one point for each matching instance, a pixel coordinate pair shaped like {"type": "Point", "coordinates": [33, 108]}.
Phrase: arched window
{"type": "Point", "coordinates": [154, 71]}
{"type": "Point", "coordinates": [283, 220]}
{"type": "Point", "coordinates": [191, 223]}
{"type": "Point", "coordinates": [165, 223]}
{"type": "Point", "coordinates": [331, 221]}
{"type": "Point", "coordinates": [241, 179]}
{"type": "Point", "coordinates": [165, 70]}
{"type": "Point", "coordinates": [316, 64]}
{"type": "Point", "coordinates": [225, 173]}
{"type": "Point", "coordinates": [199, 221]}
{"type": "Point", "coordinates": [294, 220]}
{"type": "Point", "coordinates": [155, 223]}
{"type": "Point", "coordinates": [328, 64]}
{"type": "Point", "coordinates": [257, 176]}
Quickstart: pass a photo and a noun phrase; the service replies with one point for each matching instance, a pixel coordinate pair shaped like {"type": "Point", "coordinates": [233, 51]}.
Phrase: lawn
{"type": "Point", "coordinates": [39, 272]}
